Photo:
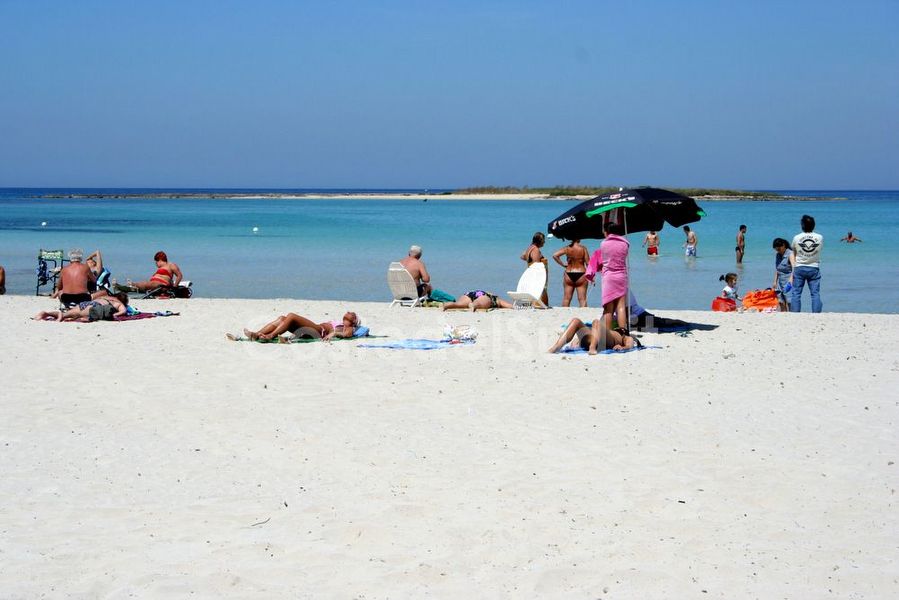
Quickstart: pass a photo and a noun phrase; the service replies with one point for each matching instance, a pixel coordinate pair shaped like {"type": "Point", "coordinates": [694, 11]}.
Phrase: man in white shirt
{"type": "Point", "coordinates": [806, 263]}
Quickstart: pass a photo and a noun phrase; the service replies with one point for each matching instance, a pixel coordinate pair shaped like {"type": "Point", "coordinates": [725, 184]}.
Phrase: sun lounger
{"type": "Point", "coordinates": [530, 288]}
{"type": "Point", "coordinates": [182, 290]}
{"type": "Point", "coordinates": [402, 286]}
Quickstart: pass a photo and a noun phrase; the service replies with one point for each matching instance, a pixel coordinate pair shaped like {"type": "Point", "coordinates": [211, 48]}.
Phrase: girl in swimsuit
{"type": "Point", "coordinates": [167, 275]}
{"type": "Point", "coordinates": [576, 267]}
{"type": "Point", "coordinates": [589, 338]}
{"type": "Point", "coordinates": [476, 299]}
{"type": "Point", "coordinates": [303, 327]}
{"type": "Point", "coordinates": [532, 255]}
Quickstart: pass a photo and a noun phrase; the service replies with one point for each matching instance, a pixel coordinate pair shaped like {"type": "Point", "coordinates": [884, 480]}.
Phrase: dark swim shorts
{"type": "Point", "coordinates": [101, 312]}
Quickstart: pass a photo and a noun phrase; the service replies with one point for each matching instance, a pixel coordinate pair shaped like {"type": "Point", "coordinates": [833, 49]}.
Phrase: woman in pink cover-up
{"type": "Point", "coordinates": [611, 260]}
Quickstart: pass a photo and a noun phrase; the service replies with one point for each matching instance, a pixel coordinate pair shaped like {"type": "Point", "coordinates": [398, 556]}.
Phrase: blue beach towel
{"type": "Point", "coordinates": [418, 344]}
{"type": "Point", "coordinates": [569, 350]}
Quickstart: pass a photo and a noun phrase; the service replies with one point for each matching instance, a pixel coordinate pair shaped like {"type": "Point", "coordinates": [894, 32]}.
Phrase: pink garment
{"type": "Point", "coordinates": [611, 259]}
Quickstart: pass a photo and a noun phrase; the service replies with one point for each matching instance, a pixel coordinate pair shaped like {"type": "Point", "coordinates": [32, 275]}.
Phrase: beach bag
{"type": "Point", "coordinates": [459, 333]}
{"type": "Point", "coordinates": [720, 304]}
{"type": "Point", "coordinates": [760, 300]}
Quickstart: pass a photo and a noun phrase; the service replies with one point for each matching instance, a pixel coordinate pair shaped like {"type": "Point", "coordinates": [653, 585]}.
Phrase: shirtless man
{"type": "Point", "coordinates": [2, 281]}
{"type": "Point", "coordinates": [74, 280]}
{"type": "Point", "coordinates": [850, 239]}
{"type": "Point", "coordinates": [417, 270]}
{"type": "Point", "coordinates": [690, 244]}
{"type": "Point", "coordinates": [741, 244]}
{"type": "Point", "coordinates": [651, 243]}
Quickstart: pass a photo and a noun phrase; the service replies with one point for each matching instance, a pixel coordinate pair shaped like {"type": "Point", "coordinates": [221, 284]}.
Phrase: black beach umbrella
{"type": "Point", "coordinates": [640, 209]}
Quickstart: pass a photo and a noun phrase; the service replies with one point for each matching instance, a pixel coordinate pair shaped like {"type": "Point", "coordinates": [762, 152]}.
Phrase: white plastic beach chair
{"type": "Point", "coordinates": [402, 286]}
{"type": "Point", "coordinates": [530, 287]}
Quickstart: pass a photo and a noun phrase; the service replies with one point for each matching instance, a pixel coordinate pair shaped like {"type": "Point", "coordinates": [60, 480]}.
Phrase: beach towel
{"type": "Point", "coordinates": [358, 332]}
{"type": "Point", "coordinates": [142, 315]}
{"type": "Point", "coordinates": [419, 344]}
{"type": "Point", "coordinates": [569, 350]}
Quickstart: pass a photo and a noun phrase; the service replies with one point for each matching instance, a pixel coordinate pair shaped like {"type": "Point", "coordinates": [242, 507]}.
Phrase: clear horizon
{"type": "Point", "coordinates": [401, 95]}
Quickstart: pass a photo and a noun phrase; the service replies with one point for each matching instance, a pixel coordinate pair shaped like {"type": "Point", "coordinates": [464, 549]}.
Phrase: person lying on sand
{"type": "Point", "coordinates": [589, 339]}
{"type": "Point", "coordinates": [105, 308]}
{"type": "Point", "coordinates": [304, 327]}
{"type": "Point", "coordinates": [476, 299]}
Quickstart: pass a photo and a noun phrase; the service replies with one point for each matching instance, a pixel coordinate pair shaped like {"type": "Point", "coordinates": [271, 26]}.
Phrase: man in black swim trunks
{"type": "Point", "coordinates": [74, 280]}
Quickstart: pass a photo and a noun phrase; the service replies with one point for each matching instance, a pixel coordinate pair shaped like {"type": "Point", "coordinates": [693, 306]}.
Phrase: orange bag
{"type": "Point", "coordinates": [760, 300]}
{"type": "Point", "coordinates": [721, 304]}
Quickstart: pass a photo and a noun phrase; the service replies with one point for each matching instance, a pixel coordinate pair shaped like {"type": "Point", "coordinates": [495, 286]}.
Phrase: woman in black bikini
{"type": "Point", "coordinates": [576, 267]}
{"type": "Point", "coordinates": [476, 299]}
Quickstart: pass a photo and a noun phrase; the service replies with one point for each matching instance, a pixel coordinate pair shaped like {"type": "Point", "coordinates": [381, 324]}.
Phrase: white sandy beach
{"type": "Point", "coordinates": [156, 459]}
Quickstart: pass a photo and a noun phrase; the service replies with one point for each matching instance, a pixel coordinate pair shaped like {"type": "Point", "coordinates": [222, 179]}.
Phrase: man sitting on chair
{"type": "Point", "coordinates": [74, 280]}
{"type": "Point", "coordinates": [418, 271]}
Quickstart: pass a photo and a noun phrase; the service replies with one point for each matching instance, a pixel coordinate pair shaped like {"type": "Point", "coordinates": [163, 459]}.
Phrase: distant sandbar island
{"type": "Point", "coordinates": [471, 193]}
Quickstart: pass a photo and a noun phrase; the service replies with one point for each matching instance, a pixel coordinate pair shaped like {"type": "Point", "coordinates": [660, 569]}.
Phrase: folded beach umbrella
{"type": "Point", "coordinates": [640, 209]}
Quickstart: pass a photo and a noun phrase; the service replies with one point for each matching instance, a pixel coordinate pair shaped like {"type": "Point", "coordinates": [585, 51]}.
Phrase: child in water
{"type": "Point", "coordinates": [730, 286]}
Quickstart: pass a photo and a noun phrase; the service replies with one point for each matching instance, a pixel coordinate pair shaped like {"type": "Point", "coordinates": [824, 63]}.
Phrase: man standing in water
{"type": "Point", "coordinates": [741, 244]}
{"type": "Point", "coordinates": [651, 242]}
{"type": "Point", "coordinates": [690, 244]}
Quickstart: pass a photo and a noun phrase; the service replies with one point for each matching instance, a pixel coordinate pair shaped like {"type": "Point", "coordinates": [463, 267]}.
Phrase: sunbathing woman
{"type": "Point", "coordinates": [105, 308]}
{"type": "Point", "coordinates": [167, 275]}
{"type": "Point", "coordinates": [306, 328]}
{"type": "Point", "coordinates": [476, 299]}
{"type": "Point", "coordinates": [590, 338]}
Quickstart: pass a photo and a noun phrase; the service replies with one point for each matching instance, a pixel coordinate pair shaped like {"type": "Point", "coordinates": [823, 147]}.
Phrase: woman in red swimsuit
{"type": "Point", "coordinates": [167, 275]}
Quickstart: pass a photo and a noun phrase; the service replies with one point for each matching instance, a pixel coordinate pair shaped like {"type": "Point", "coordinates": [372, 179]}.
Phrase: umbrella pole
{"type": "Point", "coordinates": [627, 298]}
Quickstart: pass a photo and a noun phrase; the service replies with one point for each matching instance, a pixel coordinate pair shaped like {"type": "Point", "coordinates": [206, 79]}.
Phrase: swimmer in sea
{"type": "Point", "coordinates": [651, 243]}
{"type": "Point", "coordinates": [741, 244]}
{"type": "Point", "coordinates": [691, 243]}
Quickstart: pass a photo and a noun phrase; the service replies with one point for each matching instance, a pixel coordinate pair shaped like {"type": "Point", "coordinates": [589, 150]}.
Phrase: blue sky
{"type": "Point", "coordinates": [756, 95]}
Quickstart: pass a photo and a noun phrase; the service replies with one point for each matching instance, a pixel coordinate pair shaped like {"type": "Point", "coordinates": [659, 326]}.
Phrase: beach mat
{"type": "Point", "coordinates": [418, 344]}
{"type": "Point", "coordinates": [569, 350]}
{"type": "Point", "coordinates": [143, 315]}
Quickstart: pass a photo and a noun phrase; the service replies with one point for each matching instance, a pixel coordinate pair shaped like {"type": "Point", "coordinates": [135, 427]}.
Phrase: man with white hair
{"type": "Point", "coordinates": [74, 279]}
{"type": "Point", "coordinates": [417, 270]}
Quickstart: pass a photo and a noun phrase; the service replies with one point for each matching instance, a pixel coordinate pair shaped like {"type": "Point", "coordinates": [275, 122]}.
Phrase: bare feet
{"type": "Point", "coordinates": [251, 335]}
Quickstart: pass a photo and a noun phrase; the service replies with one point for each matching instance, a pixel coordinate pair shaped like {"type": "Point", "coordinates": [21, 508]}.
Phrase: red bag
{"type": "Point", "coordinates": [721, 304]}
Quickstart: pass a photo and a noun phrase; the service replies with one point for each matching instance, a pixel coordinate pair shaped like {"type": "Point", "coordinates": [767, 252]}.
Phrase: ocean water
{"type": "Point", "coordinates": [339, 249]}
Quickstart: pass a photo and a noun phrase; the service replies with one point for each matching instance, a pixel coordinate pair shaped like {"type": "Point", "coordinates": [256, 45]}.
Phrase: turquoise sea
{"type": "Point", "coordinates": [339, 249]}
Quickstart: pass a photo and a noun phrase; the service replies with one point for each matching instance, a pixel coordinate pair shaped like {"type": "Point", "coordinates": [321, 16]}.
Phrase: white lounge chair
{"type": "Point", "coordinates": [402, 286]}
{"type": "Point", "coordinates": [530, 287]}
